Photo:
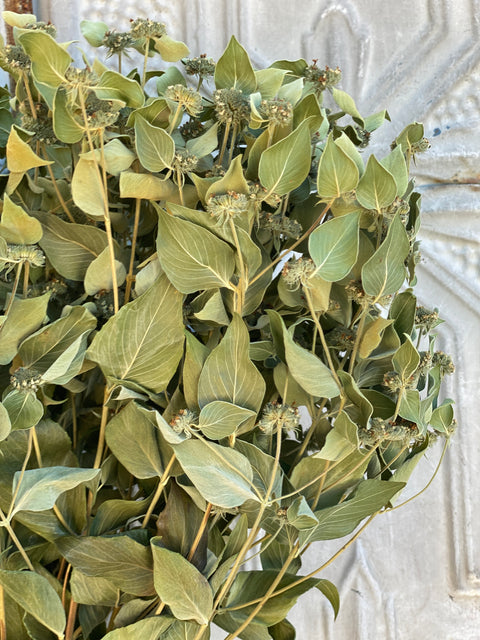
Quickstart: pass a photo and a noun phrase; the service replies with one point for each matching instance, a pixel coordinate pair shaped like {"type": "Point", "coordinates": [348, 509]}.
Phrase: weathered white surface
{"type": "Point", "coordinates": [416, 572]}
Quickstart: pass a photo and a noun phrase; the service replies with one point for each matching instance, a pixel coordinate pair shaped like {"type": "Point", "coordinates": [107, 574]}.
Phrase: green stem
{"type": "Point", "coordinates": [13, 293]}
{"type": "Point", "coordinates": [232, 143]}
{"type": "Point", "coordinates": [22, 472]}
{"type": "Point", "coordinates": [358, 337]}
{"type": "Point", "coordinates": [176, 115]}
{"type": "Point", "coordinates": [242, 284]}
{"type": "Point", "coordinates": [130, 278]}
{"type": "Point", "coordinates": [267, 595]}
{"type": "Point", "coordinates": [180, 186]}
{"type": "Point", "coordinates": [295, 244]}
{"type": "Point", "coordinates": [3, 625]}
{"type": "Point", "coordinates": [61, 200]}
{"type": "Point", "coordinates": [224, 143]}
{"type": "Point", "coordinates": [145, 61]}
{"type": "Point", "coordinates": [163, 481]}
{"type": "Point", "coordinates": [5, 523]}
{"type": "Point", "coordinates": [200, 532]}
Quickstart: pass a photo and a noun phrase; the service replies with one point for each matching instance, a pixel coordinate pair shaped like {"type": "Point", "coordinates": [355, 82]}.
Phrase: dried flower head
{"type": "Point", "coordinates": [25, 379]}
{"type": "Point", "coordinates": [380, 430]}
{"type": "Point", "coordinates": [341, 338]}
{"type": "Point", "coordinates": [279, 416]}
{"type": "Point", "coordinates": [201, 66]}
{"type": "Point", "coordinates": [85, 77]}
{"type": "Point", "coordinates": [297, 272]}
{"type": "Point", "coordinates": [191, 129]}
{"type": "Point", "coordinates": [46, 27]}
{"type": "Point", "coordinates": [16, 57]}
{"type": "Point", "coordinates": [281, 224]}
{"type": "Point", "coordinates": [277, 111]}
{"type": "Point", "coordinates": [146, 28]}
{"type": "Point", "coordinates": [184, 161]}
{"type": "Point", "coordinates": [228, 206]}
{"type": "Point", "coordinates": [426, 319]}
{"type": "Point", "coordinates": [231, 106]}
{"type": "Point", "coordinates": [116, 42]}
{"type": "Point", "coordinates": [322, 78]}
{"type": "Point", "coordinates": [444, 361]}
{"type": "Point", "coordinates": [184, 422]}
{"type": "Point", "coordinates": [187, 98]}
{"type": "Point", "coordinates": [17, 253]}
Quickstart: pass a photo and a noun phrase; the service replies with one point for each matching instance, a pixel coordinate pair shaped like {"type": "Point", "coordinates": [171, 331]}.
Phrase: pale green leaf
{"type": "Point", "coordinates": [384, 273]}
{"type": "Point", "coordinates": [442, 417]}
{"type": "Point", "coordinates": [195, 355]}
{"type": "Point", "coordinates": [5, 423]}
{"type": "Point", "coordinates": [123, 562]}
{"type": "Point", "coordinates": [116, 156]}
{"type": "Point", "coordinates": [180, 585]}
{"type": "Point", "coordinates": [154, 328]}
{"type": "Point", "coordinates": [35, 594]}
{"type": "Point", "coordinates": [234, 69]}
{"type": "Point", "coordinates": [14, 19]}
{"type": "Point", "coordinates": [20, 156]}
{"type": "Point", "coordinates": [222, 475]}
{"type": "Point", "coordinates": [406, 360]}
{"type": "Point", "coordinates": [219, 419]}
{"type": "Point", "coordinates": [285, 165]}
{"type": "Point", "coordinates": [98, 276]}
{"type": "Point", "coordinates": [171, 50]}
{"type": "Point", "coordinates": [205, 144]}
{"type": "Point", "coordinates": [341, 441]}
{"type": "Point", "coordinates": [192, 257]}
{"type": "Point", "coordinates": [25, 316]}
{"type": "Point", "coordinates": [115, 86]}
{"type": "Point", "coordinates": [229, 374]}
{"type": "Point", "coordinates": [377, 187]}
{"type": "Point", "coordinates": [299, 514]}
{"type": "Point", "coordinates": [269, 82]}
{"type": "Point", "coordinates": [17, 227]}
{"type": "Point", "coordinates": [155, 147]}
{"type": "Point", "coordinates": [148, 629]}
{"type": "Point", "coordinates": [92, 590]}
{"type": "Point", "coordinates": [24, 409]}
{"type": "Point", "coordinates": [333, 246]}
{"type": "Point", "coordinates": [87, 188]}
{"type": "Point", "coordinates": [396, 165]}
{"type": "Point", "coordinates": [372, 336]}
{"type": "Point", "coordinates": [66, 127]}
{"type": "Point", "coordinates": [337, 172]}
{"type": "Point", "coordinates": [147, 186]}
{"type": "Point", "coordinates": [132, 437]}
{"type": "Point", "coordinates": [93, 31]}
{"type": "Point", "coordinates": [49, 59]}
{"type": "Point", "coordinates": [347, 104]}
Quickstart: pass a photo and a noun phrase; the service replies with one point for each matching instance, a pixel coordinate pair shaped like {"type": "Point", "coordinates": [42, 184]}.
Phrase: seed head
{"type": "Point", "coordinates": [297, 272]}
{"type": "Point", "coordinates": [25, 379]}
{"type": "Point", "coordinates": [231, 106]}
{"type": "Point", "coordinates": [189, 99]}
{"type": "Point", "coordinates": [277, 111]}
{"type": "Point", "coordinates": [275, 416]}
{"type": "Point", "coordinates": [228, 206]}
{"type": "Point", "coordinates": [201, 66]}
{"type": "Point", "coordinates": [146, 28]}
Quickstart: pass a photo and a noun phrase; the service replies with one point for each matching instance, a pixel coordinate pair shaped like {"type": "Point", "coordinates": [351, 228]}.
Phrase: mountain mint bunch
{"type": "Point", "coordinates": [211, 348]}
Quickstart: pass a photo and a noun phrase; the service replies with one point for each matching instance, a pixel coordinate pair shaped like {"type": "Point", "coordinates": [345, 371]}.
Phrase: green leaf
{"type": "Point", "coordinates": [333, 247]}
{"type": "Point", "coordinates": [5, 423]}
{"type": "Point", "coordinates": [219, 419]}
{"type": "Point", "coordinates": [154, 326]}
{"type": "Point", "coordinates": [66, 127]}
{"type": "Point", "coordinates": [402, 310]}
{"type": "Point", "coordinates": [180, 585]}
{"type": "Point", "coordinates": [155, 147]}
{"type": "Point", "coordinates": [115, 86]}
{"type": "Point", "coordinates": [234, 69]}
{"type": "Point", "coordinates": [112, 514]}
{"type": "Point", "coordinates": [269, 82]}
{"type": "Point", "coordinates": [20, 156]}
{"type": "Point", "coordinates": [299, 514]}
{"type": "Point", "coordinates": [384, 273]}
{"type": "Point", "coordinates": [71, 247]}
{"type": "Point", "coordinates": [122, 561]}
{"type": "Point", "coordinates": [24, 409]}
{"type": "Point", "coordinates": [192, 257]}
{"type": "Point", "coordinates": [337, 172]}
{"type": "Point", "coordinates": [377, 187]}
{"type": "Point", "coordinates": [24, 318]}
{"type": "Point", "coordinates": [307, 369]}
{"type": "Point", "coordinates": [347, 146]}
{"type": "Point", "coordinates": [132, 437]}
{"type": "Point", "coordinates": [442, 417]}
{"type": "Point", "coordinates": [209, 308]}
{"type": "Point", "coordinates": [285, 165]}
{"type": "Point", "coordinates": [98, 276]}
{"type": "Point", "coordinates": [372, 336]}
{"type": "Point", "coordinates": [330, 591]}
{"type": "Point", "coordinates": [343, 518]}
{"type": "Point", "coordinates": [406, 360]}
{"type": "Point", "coordinates": [171, 50]}
{"type": "Point", "coordinates": [14, 19]}
{"type": "Point", "coordinates": [17, 227]}
{"type": "Point", "coordinates": [347, 104]}
{"type": "Point", "coordinates": [341, 441]}
{"type": "Point", "coordinates": [396, 165]}
{"type": "Point", "coordinates": [222, 475]}
{"type": "Point", "coordinates": [35, 594]}
{"type": "Point", "coordinates": [87, 188]}
{"type": "Point", "coordinates": [93, 31]}
{"type": "Point", "coordinates": [147, 186]}
{"type": "Point", "coordinates": [360, 409]}
{"type": "Point", "coordinates": [229, 374]}
{"type": "Point", "coordinates": [233, 180]}
{"type": "Point", "coordinates": [204, 144]}
{"type": "Point", "coordinates": [195, 355]}
{"type": "Point", "coordinates": [115, 156]}
{"type": "Point", "coordinates": [411, 406]}
{"type": "Point", "coordinates": [49, 59]}
{"type": "Point", "coordinates": [93, 591]}
{"type": "Point", "coordinates": [148, 629]}
{"type": "Point", "coordinates": [40, 488]}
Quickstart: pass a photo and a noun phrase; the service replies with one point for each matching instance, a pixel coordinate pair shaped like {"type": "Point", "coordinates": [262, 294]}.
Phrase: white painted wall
{"type": "Point", "coordinates": [416, 572]}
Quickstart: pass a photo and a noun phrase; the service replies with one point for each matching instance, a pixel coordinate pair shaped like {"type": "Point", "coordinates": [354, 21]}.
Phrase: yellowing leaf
{"type": "Point", "coordinates": [17, 227]}
{"type": "Point", "coordinates": [20, 156]}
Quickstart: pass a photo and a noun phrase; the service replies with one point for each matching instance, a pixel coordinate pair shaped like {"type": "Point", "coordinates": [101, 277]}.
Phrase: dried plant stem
{"type": "Point", "coordinates": [242, 284]}
{"type": "Point", "coordinates": [26, 278]}
{"type": "Point", "coordinates": [3, 626]}
{"type": "Point", "coordinates": [200, 532]}
{"type": "Point", "coordinates": [36, 446]}
{"type": "Point", "coordinates": [72, 614]}
{"type": "Point", "coordinates": [101, 435]}
{"type": "Point", "coordinates": [358, 337]}
{"type": "Point", "coordinates": [224, 143]}
{"type": "Point", "coordinates": [145, 62]}
{"type": "Point", "coordinates": [65, 582]}
{"type": "Point", "coordinates": [4, 522]}
{"type": "Point", "coordinates": [13, 293]}
{"type": "Point", "coordinates": [293, 246]}
{"type": "Point", "coordinates": [318, 493]}
{"type": "Point", "coordinates": [29, 94]}
{"type": "Point", "coordinates": [175, 118]}
{"type": "Point", "coordinates": [61, 199]}
{"type": "Point", "coordinates": [130, 277]}
{"type": "Point", "coordinates": [163, 481]}
{"type": "Point", "coordinates": [106, 211]}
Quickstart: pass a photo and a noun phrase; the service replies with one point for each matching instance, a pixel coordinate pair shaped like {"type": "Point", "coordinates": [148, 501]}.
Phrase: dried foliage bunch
{"type": "Point", "coordinates": [209, 349]}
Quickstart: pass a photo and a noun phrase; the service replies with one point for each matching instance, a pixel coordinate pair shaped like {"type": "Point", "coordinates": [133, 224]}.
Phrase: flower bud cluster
{"type": "Point", "coordinates": [279, 223]}
{"type": "Point", "coordinates": [279, 416]}
{"type": "Point", "coordinates": [16, 57]}
{"type": "Point", "coordinates": [201, 66]}
{"type": "Point", "coordinates": [191, 129]}
{"type": "Point", "coordinates": [25, 379]}
{"type": "Point", "coordinates": [17, 253]}
{"type": "Point", "coordinates": [46, 27]}
{"type": "Point", "coordinates": [322, 78]}
{"type": "Point", "coordinates": [228, 206]}
{"type": "Point", "coordinates": [444, 361]}
{"type": "Point", "coordinates": [425, 319]}
{"type": "Point", "coordinates": [146, 28]}
{"type": "Point", "coordinates": [184, 422]}
{"type": "Point", "coordinates": [231, 106]}
{"type": "Point", "coordinates": [116, 42]}
{"type": "Point", "coordinates": [356, 292]}
{"type": "Point", "coordinates": [277, 111]}
{"type": "Point", "coordinates": [341, 338]}
{"type": "Point", "coordinates": [85, 77]}
{"type": "Point", "coordinates": [184, 161]}
{"type": "Point", "coordinates": [379, 430]}
{"type": "Point", "coordinates": [258, 193]}
{"type": "Point", "coordinates": [189, 99]}
{"type": "Point", "coordinates": [297, 272]}
{"type": "Point", "coordinates": [399, 206]}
